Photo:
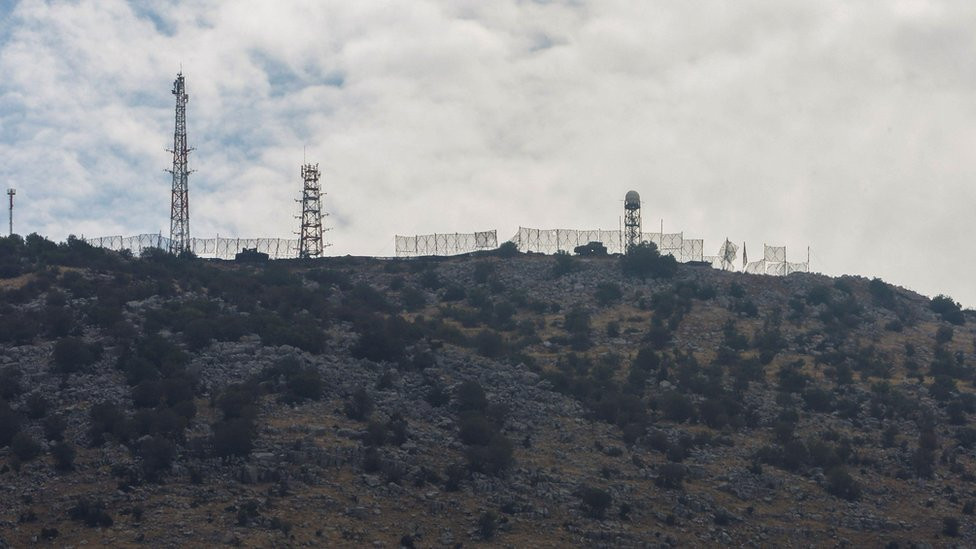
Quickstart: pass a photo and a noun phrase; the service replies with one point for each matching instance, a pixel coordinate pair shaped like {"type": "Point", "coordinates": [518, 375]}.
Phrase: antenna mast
{"type": "Point", "coordinates": [11, 193]}
{"type": "Point", "coordinates": [179, 217]}
{"type": "Point", "coordinates": [310, 240]}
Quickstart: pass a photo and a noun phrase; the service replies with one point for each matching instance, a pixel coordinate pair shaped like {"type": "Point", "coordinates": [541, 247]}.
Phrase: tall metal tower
{"type": "Point", "coordinates": [11, 193]}
{"type": "Point", "coordinates": [310, 240]}
{"type": "Point", "coordinates": [179, 217]}
{"type": "Point", "coordinates": [632, 220]}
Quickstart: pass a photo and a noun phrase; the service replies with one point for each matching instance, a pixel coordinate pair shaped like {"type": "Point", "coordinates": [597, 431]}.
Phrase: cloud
{"type": "Point", "coordinates": [846, 127]}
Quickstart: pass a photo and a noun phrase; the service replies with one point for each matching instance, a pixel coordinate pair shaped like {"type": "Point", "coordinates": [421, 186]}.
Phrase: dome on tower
{"type": "Point", "coordinates": [632, 200]}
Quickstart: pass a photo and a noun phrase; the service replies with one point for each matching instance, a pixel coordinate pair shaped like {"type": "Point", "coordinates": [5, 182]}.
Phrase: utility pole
{"type": "Point", "coordinates": [11, 193]}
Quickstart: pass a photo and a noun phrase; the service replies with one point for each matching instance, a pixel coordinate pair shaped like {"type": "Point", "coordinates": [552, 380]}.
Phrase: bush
{"type": "Point", "coordinates": [359, 405]}
{"type": "Point", "coordinates": [64, 456]}
{"type": "Point", "coordinates": [949, 310]}
{"type": "Point", "coordinates": [105, 417]}
{"type": "Point", "coordinates": [507, 249]}
{"type": "Point", "coordinates": [157, 454]}
{"type": "Point", "coordinates": [564, 264]}
{"type": "Point", "coordinates": [950, 526]}
{"type": "Point", "coordinates": [596, 501]}
{"type": "Point", "coordinates": [670, 476]}
{"type": "Point", "coordinates": [471, 397]}
{"type": "Point", "coordinates": [492, 458]}
{"type": "Point", "coordinates": [476, 429]}
{"type": "Point", "coordinates": [487, 525]}
{"type": "Point", "coordinates": [490, 344]}
{"type": "Point", "coordinates": [72, 354]}
{"type": "Point", "coordinates": [841, 484]}
{"type": "Point", "coordinates": [24, 446]}
{"type": "Point", "coordinates": [233, 437]}
{"type": "Point", "coordinates": [91, 512]}
{"type": "Point", "coordinates": [643, 260]}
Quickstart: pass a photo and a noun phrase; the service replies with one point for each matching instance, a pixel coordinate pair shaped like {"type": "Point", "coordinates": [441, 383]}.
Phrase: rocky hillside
{"type": "Point", "coordinates": [510, 400]}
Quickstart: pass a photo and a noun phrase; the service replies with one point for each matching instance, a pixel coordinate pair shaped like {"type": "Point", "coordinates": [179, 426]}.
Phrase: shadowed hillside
{"type": "Point", "coordinates": [504, 399]}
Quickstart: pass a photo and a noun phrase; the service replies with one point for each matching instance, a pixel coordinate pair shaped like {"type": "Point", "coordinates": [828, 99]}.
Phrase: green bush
{"type": "Point", "coordinates": [64, 456]}
{"type": "Point", "coordinates": [564, 264]}
{"type": "Point", "coordinates": [492, 458]}
{"type": "Point", "coordinates": [595, 501]}
{"type": "Point", "coordinates": [233, 437]}
{"type": "Point", "coordinates": [24, 446]}
{"type": "Point", "coordinates": [72, 354]}
{"type": "Point", "coordinates": [487, 525]}
{"type": "Point", "coordinates": [643, 261]}
{"type": "Point", "coordinates": [91, 512]}
{"type": "Point", "coordinates": [359, 405]}
{"type": "Point", "coordinates": [841, 484]}
{"type": "Point", "coordinates": [949, 310]}
{"type": "Point", "coordinates": [670, 476]}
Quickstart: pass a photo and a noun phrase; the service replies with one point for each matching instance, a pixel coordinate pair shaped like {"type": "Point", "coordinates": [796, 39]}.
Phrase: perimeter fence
{"type": "Point", "coordinates": [445, 244]}
{"type": "Point", "coordinates": [216, 248]}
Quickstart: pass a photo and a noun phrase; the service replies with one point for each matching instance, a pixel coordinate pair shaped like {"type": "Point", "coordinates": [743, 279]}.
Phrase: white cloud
{"type": "Point", "coordinates": [844, 126]}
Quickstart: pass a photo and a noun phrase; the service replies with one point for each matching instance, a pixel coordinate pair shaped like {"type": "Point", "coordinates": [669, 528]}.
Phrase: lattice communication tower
{"type": "Point", "coordinates": [310, 240]}
{"type": "Point", "coordinates": [179, 217]}
{"type": "Point", "coordinates": [632, 220]}
{"type": "Point", "coordinates": [11, 193]}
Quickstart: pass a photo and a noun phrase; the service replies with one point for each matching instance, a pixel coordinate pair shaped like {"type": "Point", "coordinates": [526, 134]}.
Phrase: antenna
{"type": "Point", "coordinates": [310, 230]}
{"type": "Point", "coordinates": [179, 216]}
{"type": "Point", "coordinates": [632, 220]}
{"type": "Point", "coordinates": [11, 193]}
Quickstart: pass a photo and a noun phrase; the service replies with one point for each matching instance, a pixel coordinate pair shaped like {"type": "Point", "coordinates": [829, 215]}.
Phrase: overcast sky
{"type": "Point", "coordinates": [846, 126]}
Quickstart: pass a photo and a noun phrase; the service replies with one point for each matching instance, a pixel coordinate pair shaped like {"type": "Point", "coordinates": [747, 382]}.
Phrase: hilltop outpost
{"type": "Point", "coordinates": [515, 399]}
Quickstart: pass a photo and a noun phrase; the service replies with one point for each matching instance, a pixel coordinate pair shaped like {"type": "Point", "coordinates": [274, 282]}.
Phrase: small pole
{"type": "Point", "coordinates": [11, 193]}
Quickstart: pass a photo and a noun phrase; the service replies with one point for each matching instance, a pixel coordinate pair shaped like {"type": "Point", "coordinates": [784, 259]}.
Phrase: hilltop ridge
{"type": "Point", "coordinates": [524, 401]}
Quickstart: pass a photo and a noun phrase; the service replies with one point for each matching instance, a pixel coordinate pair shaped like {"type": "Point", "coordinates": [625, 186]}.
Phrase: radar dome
{"type": "Point", "coordinates": [632, 200]}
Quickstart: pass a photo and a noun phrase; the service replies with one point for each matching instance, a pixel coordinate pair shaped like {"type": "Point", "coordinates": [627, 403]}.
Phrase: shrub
{"type": "Point", "coordinates": [595, 501]}
{"type": "Point", "coordinates": [607, 293]}
{"type": "Point", "coordinates": [470, 396]}
{"type": "Point", "coordinates": [91, 512]}
{"type": "Point", "coordinates": [492, 458]}
{"type": "Point", "coordinates": [64, 456]}
{"type": "Point", "coordinates": [233, 437]}
{"type": "Point", "coordinates": [476, 429]}
{"type": "Point", "coordinates": [950, 526]}
{"type": "Point", "coordinates": [490, 343]}
{"type": "Point", "coordinates": [507, 249]}
{"type": "Point", "coordinates": [487, 524]}
{"type": "Point", "coordinates": [564, 264]}
{"type": "Point", "coordinates": [670, 476]}
{"type": "Point", "coordinates": [54, 426]}
{"type": "Point", "coordinates": [841, 484]}
{"type": "Point", "coordinates": [949, 310]}
{"type": "Point", "coordinates": [157, 454]}
{"type": "Point", "coordinates": [105, 417]}
{"type": "Point", "coordinates": [944, 334]}
{"type": "Point", "coordinates": [72, 354]}
{"type": "Point", "coordinates": [24, 446]}
{"type": "Point", "coordinates": [359, 405]}
{"type": "Point", "coordinates": [677, 407]}
{"type": "Point", "coordinates": [10, 386]}
{"type": "Point", "coordinates": [644, 260]}
{"type": "Point", "coordinates": [198, 333]}
{"type": "Point", "coordinates": [304, 384]}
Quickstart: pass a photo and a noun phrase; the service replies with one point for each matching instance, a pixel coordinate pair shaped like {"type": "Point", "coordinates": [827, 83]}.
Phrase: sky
{"type": "Point", "coordinates": [848, 127]}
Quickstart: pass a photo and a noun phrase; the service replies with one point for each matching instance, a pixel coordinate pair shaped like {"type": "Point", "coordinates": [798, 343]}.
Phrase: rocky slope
{"type": "Point", "coordinates": [524, 401]}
